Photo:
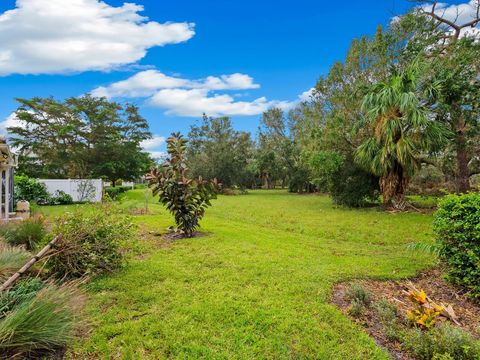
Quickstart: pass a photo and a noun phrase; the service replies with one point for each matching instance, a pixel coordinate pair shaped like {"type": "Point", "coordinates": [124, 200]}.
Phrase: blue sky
{"type": "Point", "coordinates": [277, 49]}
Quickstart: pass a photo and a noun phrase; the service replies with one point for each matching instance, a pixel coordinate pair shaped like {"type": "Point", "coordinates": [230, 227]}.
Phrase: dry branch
{"type": "Point", "coordinates": [29, 264]}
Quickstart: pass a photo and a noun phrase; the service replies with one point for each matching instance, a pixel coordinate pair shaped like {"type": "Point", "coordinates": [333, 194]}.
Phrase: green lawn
{"type": "Point", "coordinates": [258, 286]}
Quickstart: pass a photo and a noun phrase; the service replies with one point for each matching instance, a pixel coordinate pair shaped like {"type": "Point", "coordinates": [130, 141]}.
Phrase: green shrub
{"type": "Point", "coordinates": [443, 342]}
{"type": "Point", "coordinates": [186, 198]}
{"type": "Point", "coordinates": [92, 242]}
{"type": "Point", "coordinates": [11, 260]}
{"type": "Point", "coordinates": [114, 192]}
{"type": "Point", "coordinates": [30, 189]}
{"type": "Point", "coordinates": [457, 229]}
{"type": "Point", "coordinates": [387, 312]}
{"type": "Point", "coordinates": [29, 232]}
{"type": "Point", "coordinates": [357, 292]}
{"type": "Point", "coordinates": [353, 187]}
{"type": "Point", "coordinates": [44, 321]}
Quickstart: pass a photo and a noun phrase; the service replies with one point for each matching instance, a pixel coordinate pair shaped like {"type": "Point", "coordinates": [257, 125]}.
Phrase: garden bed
{"type": "Point", "coordinates": [466, 312]}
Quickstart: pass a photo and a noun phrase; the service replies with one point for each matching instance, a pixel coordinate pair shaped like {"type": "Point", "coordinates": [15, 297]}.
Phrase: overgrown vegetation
{"type": "Point", "coordinates": [457, 229]}
{"type": "Point", "coordinates": [186, 198]}
{"type": "Point", "coordinates": [91, 242]}
{"type": "Point", "coordinates": [28, 233]}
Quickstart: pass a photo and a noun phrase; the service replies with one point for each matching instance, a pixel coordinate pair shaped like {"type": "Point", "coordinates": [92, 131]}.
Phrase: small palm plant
{"type": "Point", "coordinates": [402, 133]}
{"type": "Point", "coordinates": [186, 198]}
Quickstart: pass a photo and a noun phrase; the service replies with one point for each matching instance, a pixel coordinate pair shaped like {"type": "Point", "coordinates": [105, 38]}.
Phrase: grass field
{"type": "Point", "coordinates": [257, 286]}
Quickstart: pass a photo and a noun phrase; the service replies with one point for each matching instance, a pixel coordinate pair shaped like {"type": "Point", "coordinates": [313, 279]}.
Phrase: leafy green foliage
{"type": "Point", "coordinates": [216, 150]}
{"type": "Point", "coordinates": [24, 290]}
{"type": "Point", "coordinates": [186, 198]}
{"type": "Point", "coordinates": [457, 229]}
{"type": "Point", "coordinates": [396, 117]}
{"type": "Point", "coordinates": [39, 321]}
{"type": "Point", "coordinates": [353, 186]}
{"type": "Point", "coordinates": [29, 233]}
{"type": "Point", "coordinates": [114, 192]}
{"type": "Point", "coordinates": [443, 342]}
{"type": "Point", "coordinates": [29, 189]}
{"type": "Point", "coordinates": [80, 137]}
{"type": "Point", "coordinates": [91, 242]}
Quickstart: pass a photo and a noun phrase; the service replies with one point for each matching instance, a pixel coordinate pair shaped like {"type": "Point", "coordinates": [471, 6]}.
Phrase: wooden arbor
{"type": "Point", "coordinates": [8, 162]}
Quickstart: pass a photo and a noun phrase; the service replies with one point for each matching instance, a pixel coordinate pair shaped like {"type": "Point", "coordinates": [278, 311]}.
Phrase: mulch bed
{"type": "Point", "coordinates": [432, 282]}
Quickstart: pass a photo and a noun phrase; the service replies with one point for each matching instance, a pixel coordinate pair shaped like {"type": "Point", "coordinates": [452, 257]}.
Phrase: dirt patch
{"type": "Point", "coordinates": [178, 236]}
{"type": "Point", "coordinates": [396, 293]}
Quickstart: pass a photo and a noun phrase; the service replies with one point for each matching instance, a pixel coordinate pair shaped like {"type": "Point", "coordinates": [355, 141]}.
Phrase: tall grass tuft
{"type": "Point", "coordinates": [11, 259]}
{"type": "Point", "coordinates": [44, 322]}
{"type": "Point", "coordinates": [29, 233]}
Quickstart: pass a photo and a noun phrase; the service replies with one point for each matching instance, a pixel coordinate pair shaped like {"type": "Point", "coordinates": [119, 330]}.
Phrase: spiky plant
{"type": "Point", "coordinates": [402, 132]}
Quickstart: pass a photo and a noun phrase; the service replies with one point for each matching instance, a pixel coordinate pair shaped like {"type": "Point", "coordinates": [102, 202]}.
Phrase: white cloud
{"type": "Point", "coordinates": [195, 102]}
{"type": "Point", "coordinates": [185, 97]}
{"type": "Point", "coordinates": [154, 143]}
{"type": "Point", "coordinates": [10, 121]}
{"type": "Point", "coordinates": [154, 146]}
{"type": "Point", "coordinates": [61, 36]}
{"type": "Point", "coordinates": [306, 95]}
{"type": "Point", "coordinates": [148, 82]}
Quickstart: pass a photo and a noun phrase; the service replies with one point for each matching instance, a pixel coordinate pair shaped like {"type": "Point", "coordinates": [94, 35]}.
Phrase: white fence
{"type": "Point", "coordinates": [81, 190]}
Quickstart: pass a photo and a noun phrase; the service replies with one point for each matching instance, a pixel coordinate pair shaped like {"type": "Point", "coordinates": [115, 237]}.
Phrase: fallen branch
{"type": "Point", "coordinates": [29, 264]}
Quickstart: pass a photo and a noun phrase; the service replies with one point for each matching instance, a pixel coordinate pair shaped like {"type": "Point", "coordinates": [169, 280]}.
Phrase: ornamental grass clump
{"type": "Point", "coordinates": [92, 242]}
{"type": "Point", "coordinates": [28, 233]}
{"type": "Point", "coordinates": [186, 198]}
{"type": "Point", "coordinates": [38, 318]}
{"type": "Point", "coordinates": [11, 259]}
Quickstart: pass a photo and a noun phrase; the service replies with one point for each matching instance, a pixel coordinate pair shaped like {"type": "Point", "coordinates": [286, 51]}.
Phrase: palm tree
{"type": "Point", "coordinates": [402, 132]}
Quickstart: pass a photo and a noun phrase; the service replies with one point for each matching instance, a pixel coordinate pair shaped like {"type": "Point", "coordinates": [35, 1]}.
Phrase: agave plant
{"type": "Point", "coordinates": [186, 198]}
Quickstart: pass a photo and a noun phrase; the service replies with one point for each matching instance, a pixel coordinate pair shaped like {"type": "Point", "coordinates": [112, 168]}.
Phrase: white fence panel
{"type": "Point", "coordinates": [81, 190]}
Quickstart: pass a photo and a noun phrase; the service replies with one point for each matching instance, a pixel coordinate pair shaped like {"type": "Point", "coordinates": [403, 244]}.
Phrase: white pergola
{"type": "Point", "coordinates": [8, 162]}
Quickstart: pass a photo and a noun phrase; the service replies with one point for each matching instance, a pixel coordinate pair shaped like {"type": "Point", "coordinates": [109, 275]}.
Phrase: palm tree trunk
{"type": "Point", "coordinates": [393, 188]}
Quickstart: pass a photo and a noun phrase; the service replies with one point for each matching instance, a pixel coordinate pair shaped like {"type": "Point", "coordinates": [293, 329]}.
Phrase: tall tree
{"type": "Point", "coordinates": [80, 137]}
{"type": "Point", "coordinates": [216, 150]}
{"type": "Point", "coordinates": [402, 131]}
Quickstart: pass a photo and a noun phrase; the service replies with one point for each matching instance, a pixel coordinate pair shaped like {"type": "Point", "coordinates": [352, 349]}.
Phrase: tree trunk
{"type": "Point", "coordinates": [463, 174]}
{"type": "Point", "coordinates": [393, 188]}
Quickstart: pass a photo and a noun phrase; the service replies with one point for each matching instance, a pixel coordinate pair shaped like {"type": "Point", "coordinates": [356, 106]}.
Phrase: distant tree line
{"type": "Point", "coordinates": [402, 108]}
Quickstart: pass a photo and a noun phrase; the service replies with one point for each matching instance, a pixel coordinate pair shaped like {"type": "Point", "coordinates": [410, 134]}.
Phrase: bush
{"type": "Point", "coordinates": [444, 342]}
{"type": "Point", "coordinates": [11, 260]}
{"type": "Point", "coordinates": [29, 189]}
{"type": "Point", "coordinates": [353, 187]}
{"type": "Point", "coordinates": [114, 192]}
{"type": "Point", "coordinates": [91, 243]}
{"type": "Point", "coordinates": [28, 233]}
{"type": "Point", "coordinates": [457, 229]}
{"type": "Point", "coordinates": [41, 321]}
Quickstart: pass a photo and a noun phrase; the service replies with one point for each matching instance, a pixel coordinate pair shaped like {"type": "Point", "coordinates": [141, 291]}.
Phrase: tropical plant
{"type": "Point", "coordinates": [402, 132]}
{"type": "Point", "coordinates": [186, 198]}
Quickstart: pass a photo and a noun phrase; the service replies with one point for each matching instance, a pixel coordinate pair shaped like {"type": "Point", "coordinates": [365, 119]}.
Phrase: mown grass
{"type": "Point", "coordinates": [258, 286]}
